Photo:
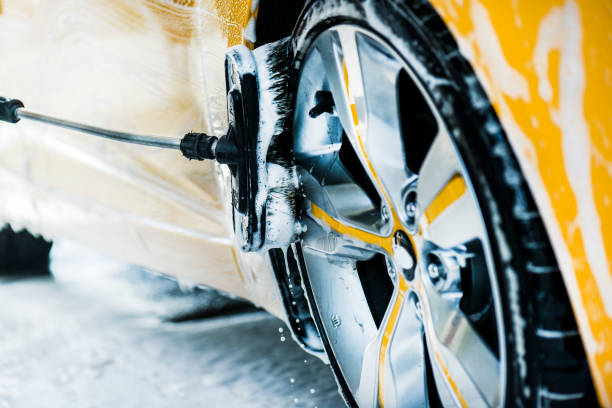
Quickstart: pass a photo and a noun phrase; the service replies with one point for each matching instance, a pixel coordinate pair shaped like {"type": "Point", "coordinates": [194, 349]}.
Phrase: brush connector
{"type": "Point", "coordinates": [198, 146]}
{"type": "Point", "coordinates": [8, 109]}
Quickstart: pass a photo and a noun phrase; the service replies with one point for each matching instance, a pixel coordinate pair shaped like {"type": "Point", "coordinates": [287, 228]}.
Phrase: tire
{"type": "Point", "coordinates": [546, 364]}
{"type": "Point", "coordinates": [21, 250]}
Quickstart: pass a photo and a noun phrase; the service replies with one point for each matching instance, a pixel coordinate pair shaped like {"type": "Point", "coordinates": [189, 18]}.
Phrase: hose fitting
{"type": "Point", "coordinates": [8, 109]}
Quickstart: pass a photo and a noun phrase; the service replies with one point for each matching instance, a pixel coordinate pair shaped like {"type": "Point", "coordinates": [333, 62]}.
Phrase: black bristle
{"type": "Point", "coordinates": [284, 193]}
{"type": "Point", "coordinates": [277, 62]}
{"type": "Point", "coordinates": [280, 148]}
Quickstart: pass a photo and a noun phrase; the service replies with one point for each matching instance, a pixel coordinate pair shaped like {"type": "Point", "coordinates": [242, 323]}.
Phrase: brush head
{"type": "Point", "coordinates": [260, 110]}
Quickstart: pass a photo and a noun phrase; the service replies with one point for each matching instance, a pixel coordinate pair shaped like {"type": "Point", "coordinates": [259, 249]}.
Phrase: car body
{"type": "Point", "coordinates": [156, 67]}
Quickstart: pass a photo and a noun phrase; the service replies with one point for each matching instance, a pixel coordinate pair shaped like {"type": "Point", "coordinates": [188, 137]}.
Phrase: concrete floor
{"type": "Point", "coordinates": [101, 334]}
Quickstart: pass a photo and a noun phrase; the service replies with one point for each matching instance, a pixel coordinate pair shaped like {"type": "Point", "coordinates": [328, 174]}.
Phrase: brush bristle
{"type": "Point", "coordinates": [276, 84]}
{"type": "Point", "coordinates": [277, 105]}
{"type": "Point", "coordinates": [277, 63]}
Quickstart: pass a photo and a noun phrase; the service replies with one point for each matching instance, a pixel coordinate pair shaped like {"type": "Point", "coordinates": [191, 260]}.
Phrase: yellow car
{"type": "Point", "coordinates": [420, 189]}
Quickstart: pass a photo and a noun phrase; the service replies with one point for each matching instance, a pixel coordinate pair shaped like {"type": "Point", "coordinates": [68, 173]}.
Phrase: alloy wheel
{"type": "Point", "coordinates": [396, 248]}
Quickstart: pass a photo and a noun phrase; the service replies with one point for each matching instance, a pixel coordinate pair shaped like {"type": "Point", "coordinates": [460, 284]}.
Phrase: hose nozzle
{"type": "Point", "coordinates": [8, 109]}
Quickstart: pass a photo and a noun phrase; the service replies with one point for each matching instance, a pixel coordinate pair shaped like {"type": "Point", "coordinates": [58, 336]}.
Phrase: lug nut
{"type": "Point", "coordinates": [433, 270]}
{"type": "Point", "coordinates": [411, 209]}
{"type": "Point", "coordinates": [443, 271]}
{"type": "Point", "coordinates": [385, 214]}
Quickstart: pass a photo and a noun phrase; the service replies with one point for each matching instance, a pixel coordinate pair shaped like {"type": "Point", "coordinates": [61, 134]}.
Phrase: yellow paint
{"type": "Point", "coordinates": [451, 192]}
{"type": "Point", "coordinates": [452, 382]}
{"type": "Point", "coordinates": [528, 79]}
{"type": "Point", "coordinates": [384, 345]}
{"type": "Point", "coordinates": [385, 243]}
{"type": "Point", "coordinates": [235, 16]}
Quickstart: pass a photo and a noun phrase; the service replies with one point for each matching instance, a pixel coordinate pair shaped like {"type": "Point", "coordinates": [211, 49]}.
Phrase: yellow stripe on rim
{"type": "Point", "coordinates": [348, 92]}
{"type": "Point", "coordinates": [452, 191]}
{"type": "Point", "coordinates": [452, 383]}
{"type": "Point", "coordinates": [386, 338]}
{"type": "Point", "coordinates": [385, 243]}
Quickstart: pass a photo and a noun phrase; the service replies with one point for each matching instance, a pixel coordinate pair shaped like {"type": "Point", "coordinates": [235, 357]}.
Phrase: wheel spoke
{"type": "Point", "coordinates": [340, 168]}
{"type": "Point", "coordinates": [334, 55]}
{"type": "Point", "coordinates": [460, 223]}
{"type": "Point", "coordinates": [382, 137]}
{"type": "Point", "coordinates": [450, 215]}
{"type": "Point", "coordinates": [367, 239]}
{"type": "Point", "coordinates": [404, 376]}
{"type": "Point", "coordinates": [343, 309]}
{"type": "Point", "coordinates": [358, 72]}
{"type": "Point", "coordinates": [462, 354]}
{"type": "Point", "coordinates": [440, 165]}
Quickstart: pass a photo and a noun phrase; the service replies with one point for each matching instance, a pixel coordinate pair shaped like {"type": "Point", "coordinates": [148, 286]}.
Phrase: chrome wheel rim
{"type": "Point", "coordinates": [396, 247]}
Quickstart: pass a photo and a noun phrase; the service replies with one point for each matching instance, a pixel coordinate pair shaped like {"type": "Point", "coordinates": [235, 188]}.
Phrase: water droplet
{"type": "Point", "coordinates": [305, 361]}
{"type": "Point", "coordinates": [312, 390]}
{"type": "Point", "coordinates": [280, 330]}
{"type": "Point", "coordinates": [292, 380]}
{"type": "Point", "coordinates": [344, 283]}
{"type": "Point", "coordinates": [335, 321]}
{"type": "Point", "coordinates": [293, 303]}
{"type": "Point", "coordinates": [358, 321]}
{"type": "Point", "coordinates": [296, 400]}
{"type": "Point", "coordinates": [282, 338]}
{"type": "Point", "coordinates": [297, 320]}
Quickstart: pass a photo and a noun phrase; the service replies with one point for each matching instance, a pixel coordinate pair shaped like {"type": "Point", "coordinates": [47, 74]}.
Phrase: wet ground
{"type": "Point", "coordinates": [105, 334]}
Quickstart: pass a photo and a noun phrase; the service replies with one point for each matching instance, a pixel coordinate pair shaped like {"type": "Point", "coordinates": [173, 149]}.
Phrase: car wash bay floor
{"type": "Point", "coordinates": [103, 334]}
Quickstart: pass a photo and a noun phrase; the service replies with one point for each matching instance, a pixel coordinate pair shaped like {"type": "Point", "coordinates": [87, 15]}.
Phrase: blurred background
{"type": "Point", "coordinates": [92, 331]}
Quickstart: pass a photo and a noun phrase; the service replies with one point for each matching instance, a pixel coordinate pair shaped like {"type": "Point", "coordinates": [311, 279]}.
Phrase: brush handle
{"type": "Point", "coordinates": [8, 109]}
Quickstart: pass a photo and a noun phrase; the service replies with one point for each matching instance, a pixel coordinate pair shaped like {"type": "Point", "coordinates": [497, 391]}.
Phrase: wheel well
{"type": "Point", "coordinates": [276, 19]}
